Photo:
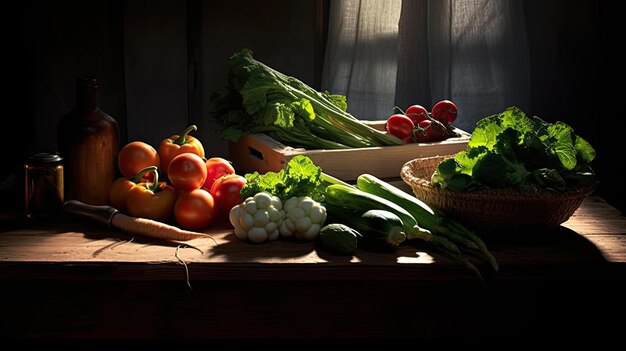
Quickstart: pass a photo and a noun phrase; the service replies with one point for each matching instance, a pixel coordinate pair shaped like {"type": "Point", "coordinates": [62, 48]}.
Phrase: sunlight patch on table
{"type": "Point", "coordinates": [419, 258]}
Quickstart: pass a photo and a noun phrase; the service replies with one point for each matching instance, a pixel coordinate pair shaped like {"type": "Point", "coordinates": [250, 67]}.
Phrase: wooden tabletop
{"type": "Point", "coordinates": [595, 236]}
{"type": "Point", "coordinates": [77, 280]}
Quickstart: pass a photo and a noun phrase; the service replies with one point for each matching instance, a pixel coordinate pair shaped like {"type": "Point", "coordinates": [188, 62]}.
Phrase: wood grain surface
{"type": "Point", "coordinates": [595, 236]}
{"type": "Point", "coordinates": [74, 280]}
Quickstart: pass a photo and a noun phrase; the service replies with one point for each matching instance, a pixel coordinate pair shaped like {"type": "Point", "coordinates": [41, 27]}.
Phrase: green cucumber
{"type": "Point", "coordinates": [341, 195]}
{"type": "Point", "coordinates": [339, 238]}
{"type": "Point", "coordinates": [427, 217]}
{"type": "Point", "coordinates": [379, 228]}
{"type": "Point", "coordinates": [381, 225]}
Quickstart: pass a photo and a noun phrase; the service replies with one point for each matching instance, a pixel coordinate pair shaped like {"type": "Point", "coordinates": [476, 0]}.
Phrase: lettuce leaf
{"type": "Point", "coordinates": [299, 177]}
{"type": "Point", "coordinates": [532, 152]}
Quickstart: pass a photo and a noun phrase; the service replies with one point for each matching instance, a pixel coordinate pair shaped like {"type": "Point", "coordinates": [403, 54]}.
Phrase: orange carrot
{"type": "Point", "coordinates": [154, 229]}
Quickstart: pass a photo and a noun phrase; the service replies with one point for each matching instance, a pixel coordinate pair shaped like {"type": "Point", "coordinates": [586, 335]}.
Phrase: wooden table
{"type": "Point", "coordinates": [72, 279]}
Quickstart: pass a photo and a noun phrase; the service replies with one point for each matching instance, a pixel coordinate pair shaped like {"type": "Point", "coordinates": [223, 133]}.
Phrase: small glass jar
{"type": "Point", "coordinates": [44, 190]}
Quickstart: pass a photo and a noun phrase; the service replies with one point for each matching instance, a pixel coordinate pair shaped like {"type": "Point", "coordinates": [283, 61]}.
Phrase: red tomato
{"type": "Point", "coordinates": [429, 131]}
{"type": "Point", "coordinates": [216, 167]}
{"type": "Point", "coordinates": [194, 209]}
{"type": "Point", "coordinates": [416, 113]}
{"type": "Point", "coordinates": [187, 171]}
{"type": "Point", "coordinates": [400, 126]}
{"type": "Point", "coordinates": [135, 156]}
{"type": "Point", "coordinates": [444, 111]}
{"type": "Point", "coordinates": [226, 191]}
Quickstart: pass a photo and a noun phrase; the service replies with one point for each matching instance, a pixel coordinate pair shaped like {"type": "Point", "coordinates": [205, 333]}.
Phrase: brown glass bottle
{"type": "Point", "coordinates": [87, 139]}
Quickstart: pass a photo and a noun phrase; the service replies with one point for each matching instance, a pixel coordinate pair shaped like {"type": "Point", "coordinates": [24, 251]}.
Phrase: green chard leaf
{"type": "Point", "coordinates": [488, 128]}
{"type": "Point", "coordinates": [561, 142]}
{"type": "Point", "coordinates": [466, 160]}
{"type": "Point", "coordinates": [584, 150]}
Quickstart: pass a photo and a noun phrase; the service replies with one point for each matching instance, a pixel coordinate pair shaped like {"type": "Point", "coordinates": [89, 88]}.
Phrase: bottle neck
{"type": "Point", "coordinates": [86, 94]}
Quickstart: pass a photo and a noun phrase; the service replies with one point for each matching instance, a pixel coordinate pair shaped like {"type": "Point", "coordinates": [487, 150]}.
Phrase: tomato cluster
{"type": "Point", "coordinates": [198, 191]}
{"type": "Point", "coordinates": [416, 124]}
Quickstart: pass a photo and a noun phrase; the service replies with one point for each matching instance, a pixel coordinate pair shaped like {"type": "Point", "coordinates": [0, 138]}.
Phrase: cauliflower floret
{"type": "Point", "coordinates": [258, 218]}
{"type": "Point", "coordinates": [303, 218]}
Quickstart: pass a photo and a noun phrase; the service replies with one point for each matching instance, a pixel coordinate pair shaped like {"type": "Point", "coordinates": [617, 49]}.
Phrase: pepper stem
{"type": "Point", "coordinates": [155, 185]}
{"type": "Point", "coordinates": [137, 178]}
{"type": "Point", "coordinates": [181, 139]}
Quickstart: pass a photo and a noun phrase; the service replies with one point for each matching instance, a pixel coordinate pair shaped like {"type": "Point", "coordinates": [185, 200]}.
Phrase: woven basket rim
{"type": "Point", "coordinates": [493, 209]}
{"type": "Point", "coordinates": [513, 194]}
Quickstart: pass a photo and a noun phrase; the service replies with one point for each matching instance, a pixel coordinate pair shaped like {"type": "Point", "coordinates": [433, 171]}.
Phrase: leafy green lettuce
{"type": "Point", "coordinates": [511, 150]}
{"type": "Point", "coordinates": [299, 177]}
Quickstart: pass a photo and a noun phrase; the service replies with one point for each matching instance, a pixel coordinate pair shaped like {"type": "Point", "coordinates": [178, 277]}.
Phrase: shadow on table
{"type": "Point", "coordinates": [558, 245]}
{"type": "Point", "coordinates": [238, 250]}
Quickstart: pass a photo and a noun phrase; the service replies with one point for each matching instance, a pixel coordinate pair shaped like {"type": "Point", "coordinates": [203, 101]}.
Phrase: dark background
{"type": "Point", "coordinates": [157, 61]}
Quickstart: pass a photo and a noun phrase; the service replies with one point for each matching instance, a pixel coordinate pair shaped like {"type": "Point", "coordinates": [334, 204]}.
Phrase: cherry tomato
{"type": "Point", "coordinates": [179, 144]}
{"type": "Point", "coordinates": [226, 191]}
{"type": "Point", "coordinates": [416, 113]}
{"type": "Point", "coordinates": [187, 171]}
{"type": "Point", "coordinates": [444, 111]}
{"type": "Point", "coordinates": [429, 131]}
{"type": "Point", "coordinates": [216, 167]}
{"type": "Point", "coordinates": [135, 156]}
{"type": "Point", "coordinates": [400, 126]}
{"type": "Point", "coordinates": [194, 209]}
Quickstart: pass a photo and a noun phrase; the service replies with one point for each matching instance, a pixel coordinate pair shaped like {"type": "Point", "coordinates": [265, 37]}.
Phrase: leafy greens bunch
{"type": "Point", "coordinates": [299, 177]}
{"type": "Point", "coordinates": [259, 99]}
{"type": "Point", "coordinates": [511, 150]}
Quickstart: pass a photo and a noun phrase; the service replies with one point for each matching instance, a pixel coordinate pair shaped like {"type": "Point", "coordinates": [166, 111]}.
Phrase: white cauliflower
{"type": "Point", "coordinates": [258, 218]}
{"type": "Point", "coordinates": [303, 218]}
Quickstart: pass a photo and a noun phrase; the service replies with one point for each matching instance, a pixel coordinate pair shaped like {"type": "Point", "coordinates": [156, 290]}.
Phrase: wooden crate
{"type": "Point", "coordinates": [259, 152]}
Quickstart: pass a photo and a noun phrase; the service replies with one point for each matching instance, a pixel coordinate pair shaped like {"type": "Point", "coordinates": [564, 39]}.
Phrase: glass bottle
{"type": "Point", "coordinates": [87, 139]}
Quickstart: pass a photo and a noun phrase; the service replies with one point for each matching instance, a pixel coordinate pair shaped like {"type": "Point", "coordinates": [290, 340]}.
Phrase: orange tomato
{"type": "Point", "coordinates": [216, 167]}
{"type": "Point", "coordinates": [135, 156]}
{"type": "Point", "coordinates": [194, 209]}
{"type": "Point", "coordinates": [226, 192]}
{"type": "Point", "coordinates": [187, 171]}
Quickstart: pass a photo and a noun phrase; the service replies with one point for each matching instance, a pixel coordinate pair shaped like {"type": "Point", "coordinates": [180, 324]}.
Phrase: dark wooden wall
{"type": "Point", "coordinates": [158, 61]}
{"type": "Point", "coordinates": [576, 78]}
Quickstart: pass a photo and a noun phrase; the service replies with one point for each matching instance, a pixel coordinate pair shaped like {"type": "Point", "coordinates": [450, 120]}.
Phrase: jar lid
{"type": "Point", "coordinates": [44, 157]}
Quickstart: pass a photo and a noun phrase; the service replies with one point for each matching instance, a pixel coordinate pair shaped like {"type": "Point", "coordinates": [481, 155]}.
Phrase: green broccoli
{"type": "Point", "coordinates": [496, 171]}
{"type": "Point", "coordinates": [448, 175]}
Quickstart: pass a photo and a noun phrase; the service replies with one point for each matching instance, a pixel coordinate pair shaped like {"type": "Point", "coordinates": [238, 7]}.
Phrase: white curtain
{"type": "Point", "coordinates": [403, 52]}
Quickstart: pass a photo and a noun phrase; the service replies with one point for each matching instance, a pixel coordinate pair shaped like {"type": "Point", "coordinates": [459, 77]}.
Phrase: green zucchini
{"type": "Point", "coordinates": [380, 225]}
{"type": "Point", "coordinates": [379, 228]}
{"type": "Point", "coordinates": [339, 238]}
{"type": "Point", "coordinates": [427, 217]}
{"type": "Point", "coordinates": [341, 195]}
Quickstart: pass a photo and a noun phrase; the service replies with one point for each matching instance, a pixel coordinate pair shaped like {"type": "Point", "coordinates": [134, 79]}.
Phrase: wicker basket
{"type": "Point", "coordinates": [493, 209]}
